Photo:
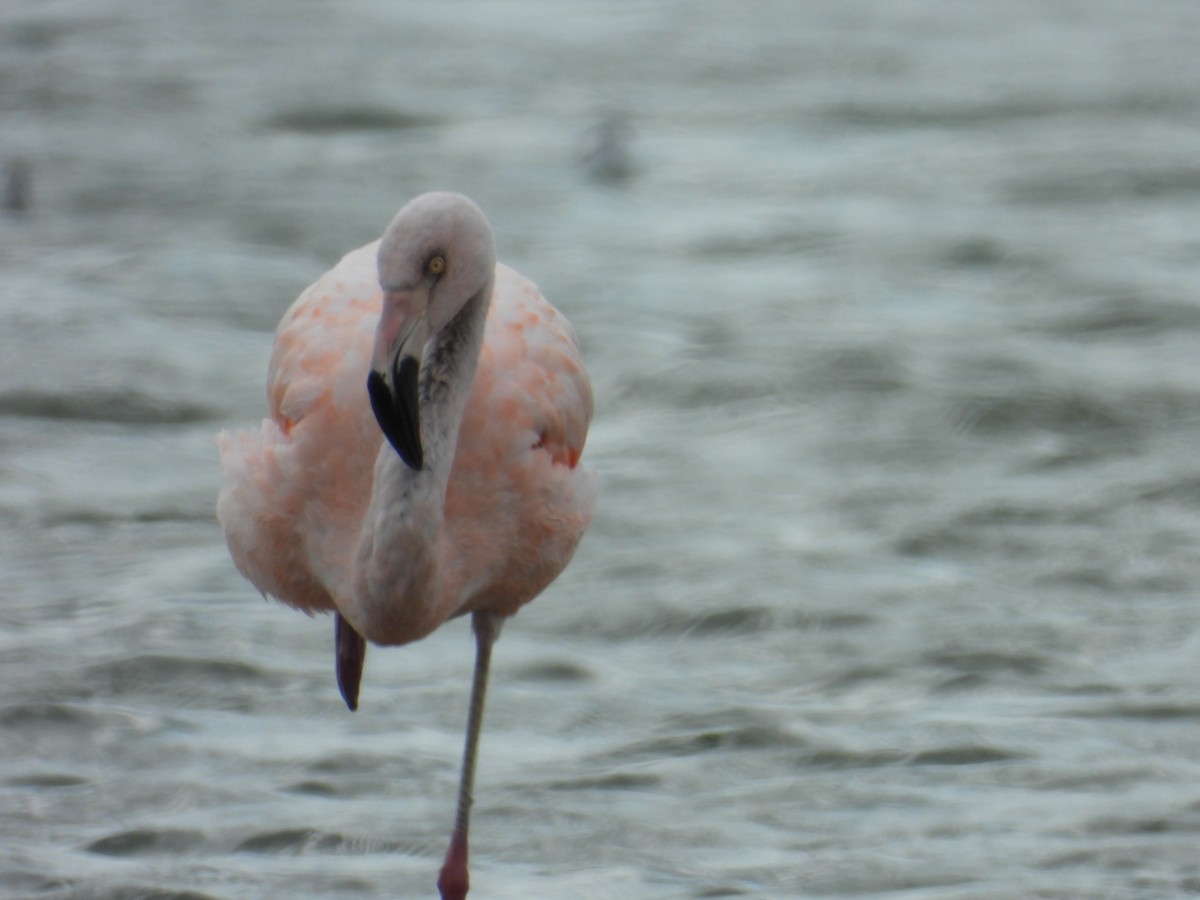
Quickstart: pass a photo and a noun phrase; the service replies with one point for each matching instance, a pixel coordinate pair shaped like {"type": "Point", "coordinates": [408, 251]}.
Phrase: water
{"type": "Point", "coordinates": [893, 326]}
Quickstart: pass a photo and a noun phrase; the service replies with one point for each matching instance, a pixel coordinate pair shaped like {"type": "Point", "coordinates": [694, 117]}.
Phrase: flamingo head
{"type": "Point", "coordinates": [434, 258]}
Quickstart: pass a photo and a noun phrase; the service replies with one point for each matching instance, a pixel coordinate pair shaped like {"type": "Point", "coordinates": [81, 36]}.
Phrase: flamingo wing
{"type": "Point", "coordinates": [295, 490]}
{"type": "Point", "coordinates": [517, 503]}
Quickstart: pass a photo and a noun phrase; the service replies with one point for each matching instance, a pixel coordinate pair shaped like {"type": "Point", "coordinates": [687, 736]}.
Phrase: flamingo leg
{"type": "Point", "coordinates": [351, 652]}
{"type": "Point", "coordinates": [453, 881]}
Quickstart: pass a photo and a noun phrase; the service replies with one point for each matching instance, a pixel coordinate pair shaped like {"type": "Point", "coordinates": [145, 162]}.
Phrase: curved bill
{"type": "Point", "coordinates": [395, 396]}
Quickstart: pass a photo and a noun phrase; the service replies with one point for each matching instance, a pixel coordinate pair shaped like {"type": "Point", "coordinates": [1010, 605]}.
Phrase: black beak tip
{"type": "Point", "coordinates": [413, 457]}
{"type": "Point", "coordinates": [398, 413]}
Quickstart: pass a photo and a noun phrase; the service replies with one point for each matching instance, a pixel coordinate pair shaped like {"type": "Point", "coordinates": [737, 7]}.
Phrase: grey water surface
{"type": "Point", "coordinates": [892, 311]}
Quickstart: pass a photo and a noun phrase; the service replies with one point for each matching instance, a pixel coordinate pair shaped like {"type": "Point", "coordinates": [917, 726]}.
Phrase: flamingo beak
{"type": "Point", "coordinates": [393, 388]}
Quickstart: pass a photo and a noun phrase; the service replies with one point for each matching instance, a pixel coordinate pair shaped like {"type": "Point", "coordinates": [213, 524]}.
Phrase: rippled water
{"type": "Point", "coordinates": [893, 323]}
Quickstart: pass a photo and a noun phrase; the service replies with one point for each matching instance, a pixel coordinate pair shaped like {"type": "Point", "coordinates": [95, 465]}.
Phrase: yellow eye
{"type": "Point", "coordinates": [436, 265]}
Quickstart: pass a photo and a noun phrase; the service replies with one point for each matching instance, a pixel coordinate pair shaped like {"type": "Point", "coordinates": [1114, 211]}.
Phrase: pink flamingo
{"type": "Point", "coordinates": [477, 501]}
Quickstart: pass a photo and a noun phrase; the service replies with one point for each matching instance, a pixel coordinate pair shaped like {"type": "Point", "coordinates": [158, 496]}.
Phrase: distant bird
{"type": "Point", "coordinates": [476, 502]}
{"type": "Point", "coordinates": [606, 157]}
{"type": "Point", "coordinates": [18, 186]}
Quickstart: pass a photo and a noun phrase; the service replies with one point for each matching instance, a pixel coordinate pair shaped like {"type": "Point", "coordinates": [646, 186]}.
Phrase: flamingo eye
{"type": "Point", "coordinates": [436, 265]}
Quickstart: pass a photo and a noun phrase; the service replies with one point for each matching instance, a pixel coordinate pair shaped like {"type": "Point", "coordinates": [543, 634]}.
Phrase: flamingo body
{"type": "Point", "coordinates": [516, 505]}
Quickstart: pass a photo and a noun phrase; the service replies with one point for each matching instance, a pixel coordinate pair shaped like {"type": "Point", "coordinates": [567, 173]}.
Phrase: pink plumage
{"type": "Point", "coordinates": [475, 508]}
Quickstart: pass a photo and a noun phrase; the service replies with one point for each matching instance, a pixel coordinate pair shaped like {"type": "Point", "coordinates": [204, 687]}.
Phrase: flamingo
{"type": "Point", "coordinates": [475, 502]}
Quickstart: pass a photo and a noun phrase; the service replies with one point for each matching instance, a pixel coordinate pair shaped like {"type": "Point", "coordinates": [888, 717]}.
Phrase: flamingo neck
{"type": "Point", "coordinates": [398, 595]}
